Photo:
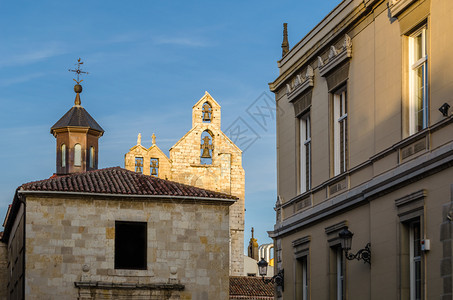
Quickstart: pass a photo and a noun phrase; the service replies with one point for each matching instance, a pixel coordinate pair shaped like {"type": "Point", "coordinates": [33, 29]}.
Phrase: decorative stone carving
{"type": "Point", "coordinates": [301, 83]}
{"type": "Point", "coordinates": [336, 56]}
{"type": "Point", "coordinates": [332, 52]}
{"type": "Point", "coordinates": [320, 62]}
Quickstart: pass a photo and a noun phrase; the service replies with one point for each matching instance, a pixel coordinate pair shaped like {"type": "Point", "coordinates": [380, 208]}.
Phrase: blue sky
{"type": "Point", "coordinates": [149, 62]}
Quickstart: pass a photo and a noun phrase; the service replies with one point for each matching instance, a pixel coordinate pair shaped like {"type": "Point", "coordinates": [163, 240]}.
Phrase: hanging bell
{"type": "Point", "coordinates": [206, 153]}
{"type": "Point", "coordinates": [206, 116]}
{"type": "Point", "coordinates": [153, 172]}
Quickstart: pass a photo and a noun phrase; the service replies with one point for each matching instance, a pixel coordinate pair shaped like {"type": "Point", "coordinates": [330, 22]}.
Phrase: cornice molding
{"type": "Point", "coordinates": [396, 7]}
{"type": "Point", "coordinates": [301, 84]}
{"type": "Point", "coordinates": [336, 56]}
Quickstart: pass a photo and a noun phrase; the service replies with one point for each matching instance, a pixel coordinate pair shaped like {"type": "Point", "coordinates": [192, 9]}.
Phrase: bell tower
{"type": "Point", "coordinates": [77, 135]}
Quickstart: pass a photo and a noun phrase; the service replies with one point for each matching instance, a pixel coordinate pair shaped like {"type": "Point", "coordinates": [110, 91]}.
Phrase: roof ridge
{"type": "Point", "coordinates": [116, 180]}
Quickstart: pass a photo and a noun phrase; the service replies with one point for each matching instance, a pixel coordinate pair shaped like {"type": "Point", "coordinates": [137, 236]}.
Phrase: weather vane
{"type": "Point", "coordinates": [78, 71]}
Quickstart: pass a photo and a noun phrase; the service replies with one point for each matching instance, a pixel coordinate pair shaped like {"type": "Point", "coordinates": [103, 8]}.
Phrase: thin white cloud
{"type": "Point", "coordinates": [50, 50]}
{"type": "Point", "coordinates": [180, 41]}
{"type": "Point", "coordinates": [20, 79]}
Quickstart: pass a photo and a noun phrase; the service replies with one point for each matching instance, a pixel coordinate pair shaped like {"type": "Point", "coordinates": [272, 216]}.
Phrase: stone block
{"type": "Point", "coordinates": [445, 231]}
{"type": "Point", "coordinates": [445, 266]}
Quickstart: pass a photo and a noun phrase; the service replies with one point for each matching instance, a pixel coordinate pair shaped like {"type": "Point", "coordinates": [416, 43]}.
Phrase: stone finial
{"type": "Point", "coordinates": [253, 247]}
{"type": "Point", "coordinates": [285, 43]}
{"type": "Point", "coordinates": [139, 139]}
{"type": "Point", "coordinates": [153, 137]}
{"type": "Point", "coordinates": [78, 90]}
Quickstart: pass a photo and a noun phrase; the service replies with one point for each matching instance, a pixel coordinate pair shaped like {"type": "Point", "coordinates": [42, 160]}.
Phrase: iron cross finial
{"type": "Point", "coordinates": [78, 70]}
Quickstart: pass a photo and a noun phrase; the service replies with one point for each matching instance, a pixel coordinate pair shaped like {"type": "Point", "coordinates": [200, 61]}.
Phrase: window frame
{"type": "Point", "coordinates": [410, 209]}
{"type": "Point", "coordinates": [415, 64]}
{"type": "Point", "coordinates": [415, 260]}
{"type": "Point", "coordinates": [340, 130]}
{"type": "Point", "coordinates": [305, 154]}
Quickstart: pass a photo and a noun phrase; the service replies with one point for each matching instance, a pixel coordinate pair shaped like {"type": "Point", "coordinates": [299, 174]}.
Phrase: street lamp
{"type": "Point", "coordinates": [346, 242]}
{"type": "Point", "coordinates": [277, 279]}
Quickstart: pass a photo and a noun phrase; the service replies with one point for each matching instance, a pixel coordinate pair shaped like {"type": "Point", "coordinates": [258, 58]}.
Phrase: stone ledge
{"type": "Point", "coordinates": [128, 286]}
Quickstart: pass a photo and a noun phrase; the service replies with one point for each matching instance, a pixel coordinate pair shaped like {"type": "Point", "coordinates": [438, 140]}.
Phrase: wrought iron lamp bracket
{"type": "Point", "coordinates": [277, 279]}
{"type": "Point", "coordinates": [363, 254]}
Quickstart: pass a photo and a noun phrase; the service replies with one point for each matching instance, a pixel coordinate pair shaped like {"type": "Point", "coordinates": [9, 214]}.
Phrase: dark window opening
{"type": "Point", "coordinates": [130, 245]}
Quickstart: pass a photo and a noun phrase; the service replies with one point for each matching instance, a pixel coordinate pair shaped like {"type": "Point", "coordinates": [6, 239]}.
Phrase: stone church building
{"type": "Point", "coordinates": [206, 158]}
{"type": "Point", "coordinates": [88, 233]}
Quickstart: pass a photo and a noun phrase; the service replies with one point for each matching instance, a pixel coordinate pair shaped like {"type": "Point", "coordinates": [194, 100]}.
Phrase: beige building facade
{"type": "Point", "coordinates": [206, 158]}
{"type": "Point", "coordinates": [366, 144]}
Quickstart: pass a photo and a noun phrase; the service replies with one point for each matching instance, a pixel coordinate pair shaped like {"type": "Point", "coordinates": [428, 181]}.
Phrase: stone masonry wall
{"type": "Point", "coordinates": [3, 271]}
{"type": "Point", "coordinates": [70, 240]}
{"type": "Point", "coordinates": [225, 174]}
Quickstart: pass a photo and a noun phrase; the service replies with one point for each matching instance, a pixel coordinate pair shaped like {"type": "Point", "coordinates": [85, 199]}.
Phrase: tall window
{"type": "Point", "coordinates": [415, 267]}
{"type": "Point", "coordinates": [339, 272]}
{"type": "Point", "coordinates": [92, 157]}
{"type": "Point", "coordinates": [302, 278]}
{"type": "Point", "coordinates": [130, 245]}
{"type": "Point", "coordinates": [63, 155]}
{"type": "Point", "coordinates": [340, 131]}
{"type": "Point", "coordinates": [77, 155]}
{"type": "Point", "coordinates": [305, 152]}
{"type": "Point", "coordinates": [418, 81]}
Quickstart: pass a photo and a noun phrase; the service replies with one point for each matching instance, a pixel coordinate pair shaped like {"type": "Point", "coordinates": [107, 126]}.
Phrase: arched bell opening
{"type": "Point", "coordinates": [206, 112]}
{"type": "Point", "coordinates": [139, 164]}
{"type": "Point", "coordinates": [154, 166]}
{"type": "Point", "coordinates": [207, 148]}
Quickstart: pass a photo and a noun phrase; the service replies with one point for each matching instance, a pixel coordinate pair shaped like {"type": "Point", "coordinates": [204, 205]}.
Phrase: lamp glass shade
{"type": "Point", "coordinates": [262, 267]}
{"type": "Point", "coordinates": [346, 239]}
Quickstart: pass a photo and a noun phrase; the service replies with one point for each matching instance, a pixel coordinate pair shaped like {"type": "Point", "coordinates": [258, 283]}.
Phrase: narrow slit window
{"type": "Point", "coordinates": [77, 155]}
{"type": "Point", "coordinates": [63, 156]}
{"type": "Point", "coordinates": [92, 157]}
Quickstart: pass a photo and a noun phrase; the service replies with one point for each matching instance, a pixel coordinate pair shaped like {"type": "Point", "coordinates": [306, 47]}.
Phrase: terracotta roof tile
{"type": "Point", "coordinates": [248, 287]}
{"type": "Point", "coordinates": [119, 181]}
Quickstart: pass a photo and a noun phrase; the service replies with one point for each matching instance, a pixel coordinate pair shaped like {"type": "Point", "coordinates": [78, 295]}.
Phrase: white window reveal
{"type": "Point", "coordinates": [305, 152]}
{"type": "Point", "coordinates": [340, 134]}
{"type": "Point", "coordinates": [418, 81]}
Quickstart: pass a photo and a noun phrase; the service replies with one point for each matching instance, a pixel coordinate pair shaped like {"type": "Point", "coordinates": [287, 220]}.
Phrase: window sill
{"type": "Point", "coordinates": [132, 273]}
